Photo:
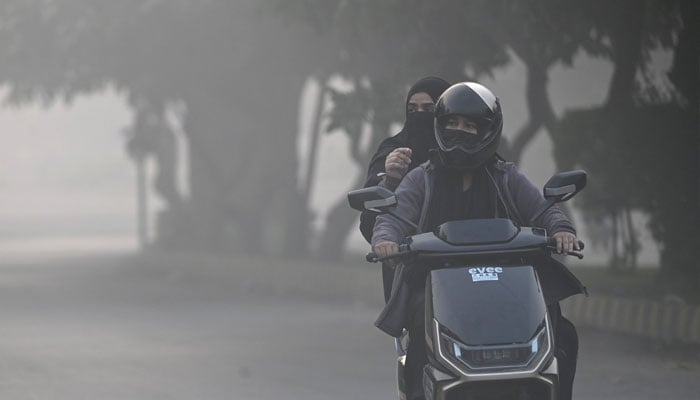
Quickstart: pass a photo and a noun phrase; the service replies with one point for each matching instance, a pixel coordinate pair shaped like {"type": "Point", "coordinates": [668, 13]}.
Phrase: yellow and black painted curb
{"type": "Point", "coordinates": [669, 321]}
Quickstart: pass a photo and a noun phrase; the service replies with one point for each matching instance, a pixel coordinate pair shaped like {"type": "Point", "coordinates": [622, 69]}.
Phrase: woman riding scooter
{"type": "Point", "coordinates": [465, 180]}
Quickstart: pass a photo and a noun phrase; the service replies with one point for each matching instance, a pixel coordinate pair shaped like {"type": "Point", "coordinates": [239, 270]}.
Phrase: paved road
{"type": "Point", "coordinates": [108, 328]}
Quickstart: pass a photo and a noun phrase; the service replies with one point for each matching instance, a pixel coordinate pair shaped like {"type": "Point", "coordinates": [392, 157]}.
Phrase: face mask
{"type": "Point", "coordinates": [457, 160]}
{"type": "Point", "coordinates": [420, 121]}
{"type": "Point", "coordinates": [420, 134]}
{"type": "Point", "coordinates": [457, 137]}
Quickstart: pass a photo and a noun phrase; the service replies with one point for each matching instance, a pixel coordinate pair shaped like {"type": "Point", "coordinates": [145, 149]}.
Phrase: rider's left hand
{"type": "Point", "coordinates": [566, 242]}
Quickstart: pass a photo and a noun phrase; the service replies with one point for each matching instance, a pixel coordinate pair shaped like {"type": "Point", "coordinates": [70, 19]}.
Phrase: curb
{"type": "Point", "coordinates": [668, 321]}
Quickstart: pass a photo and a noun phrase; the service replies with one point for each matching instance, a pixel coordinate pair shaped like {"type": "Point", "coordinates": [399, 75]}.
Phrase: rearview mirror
{"type": "Point", "coordinates": [374, 199]}
{"type": "Point", "coordinates": [564, 185]}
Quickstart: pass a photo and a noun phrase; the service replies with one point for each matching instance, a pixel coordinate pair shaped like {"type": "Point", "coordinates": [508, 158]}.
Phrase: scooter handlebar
{"type": "Point", "coordinates": [373, 257]}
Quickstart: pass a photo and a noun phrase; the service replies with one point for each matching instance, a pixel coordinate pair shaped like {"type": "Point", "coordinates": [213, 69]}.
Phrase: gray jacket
{"type": "Point", "coordinates": [520, 199]}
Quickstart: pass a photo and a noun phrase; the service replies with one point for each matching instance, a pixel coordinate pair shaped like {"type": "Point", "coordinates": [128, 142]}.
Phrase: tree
{"type": "Point", "coordinates": [237, 74]}
{"type": "Point", "coordinates": [380, 48]}
{"type": "Point", "coordinates": [641, 145]}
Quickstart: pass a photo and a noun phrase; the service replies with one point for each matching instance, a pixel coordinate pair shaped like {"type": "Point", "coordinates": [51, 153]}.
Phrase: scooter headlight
{"type": "Point", "coordinates": [503, 357]}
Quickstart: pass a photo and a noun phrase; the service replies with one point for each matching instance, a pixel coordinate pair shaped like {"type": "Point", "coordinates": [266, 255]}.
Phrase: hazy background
{"type": "Point", "coordinates": [173, 219]}
{"type": "Point", "coordinates": [68, 182]}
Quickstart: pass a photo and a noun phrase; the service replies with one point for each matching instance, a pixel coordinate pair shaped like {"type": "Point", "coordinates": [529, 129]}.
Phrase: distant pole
{"type": "Point", "coordinates": [141, 202]}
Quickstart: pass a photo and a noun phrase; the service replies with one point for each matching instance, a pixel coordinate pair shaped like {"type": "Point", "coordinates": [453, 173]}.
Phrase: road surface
{"type": "Point", "coordinates": [105, 327]}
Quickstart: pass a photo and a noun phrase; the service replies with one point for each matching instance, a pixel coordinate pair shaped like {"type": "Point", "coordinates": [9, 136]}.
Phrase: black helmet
{"type": "Point", "coordinates": [476, 103]}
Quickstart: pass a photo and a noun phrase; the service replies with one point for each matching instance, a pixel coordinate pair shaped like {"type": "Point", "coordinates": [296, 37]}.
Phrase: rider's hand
{"type": "Point", "coordinates": [566, 242]}
{"type": "Point", "coordinates": [383, 249]}
{"type": "Point", "coordinates": [397, 162]}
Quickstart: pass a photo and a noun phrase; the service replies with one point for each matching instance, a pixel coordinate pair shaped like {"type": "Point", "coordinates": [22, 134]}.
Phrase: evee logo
{"type": "Point", "coordinates": [485, 270]}
{"type": "Point", "coordinates": [481, 274]}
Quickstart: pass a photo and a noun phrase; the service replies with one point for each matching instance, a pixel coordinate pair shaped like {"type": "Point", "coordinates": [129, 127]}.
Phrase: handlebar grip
{"type": "Point", "coordinates": [371, 257]}
{"type": "Point", "coordinates": [580, 245]}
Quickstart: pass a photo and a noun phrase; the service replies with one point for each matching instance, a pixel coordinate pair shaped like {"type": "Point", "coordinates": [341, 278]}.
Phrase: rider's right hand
{"type": "Point", "coordinates": [387, 248]}
{"type": "Point", "coordinates": [397, 162]}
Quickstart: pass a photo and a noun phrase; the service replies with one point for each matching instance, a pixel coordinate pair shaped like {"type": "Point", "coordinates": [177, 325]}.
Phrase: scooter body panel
{"type": "Point", "coordinates": [487, 304]}
{"type": "Point", "coordinates": [487, 308]}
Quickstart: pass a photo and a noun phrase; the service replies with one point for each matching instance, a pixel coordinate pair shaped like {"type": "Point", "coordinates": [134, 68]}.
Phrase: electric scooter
{"type": "Point", "coordinates": [488, 333]}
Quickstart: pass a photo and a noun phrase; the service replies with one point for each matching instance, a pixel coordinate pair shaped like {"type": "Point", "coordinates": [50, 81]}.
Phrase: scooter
{"type": "Point", "coordinates": [489, 334]}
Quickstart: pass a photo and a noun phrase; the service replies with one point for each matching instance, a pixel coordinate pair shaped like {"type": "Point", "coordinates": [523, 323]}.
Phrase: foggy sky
{"type": "Point", "coordinates": [64, 171]}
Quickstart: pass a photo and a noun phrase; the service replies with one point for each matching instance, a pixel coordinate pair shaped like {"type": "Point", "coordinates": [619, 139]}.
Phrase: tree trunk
{"type": "Point", "coordinates": [341, 217]}
{"type": "Point", "coordinates": [627, 54]}
{"type": "Point", "coordinates": [615, 255]}
{"type": "Point", "coordinates": [315, 137]}
{"type": "Point", "coordinates": [631, 241]}
{"type": "Point", "coordinates": [539, 107]}
{"type": "Point", "coordinates": [298, 219]}
{"type": "Point", "coordinates": [338, 225]}
{"type": "Point", "coordinates": [142, 202]}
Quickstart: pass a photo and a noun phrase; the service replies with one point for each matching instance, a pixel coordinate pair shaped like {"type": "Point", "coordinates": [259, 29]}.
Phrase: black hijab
{"type": "Point", "coordinates": [431, 85]}
{"type": "Point", "coordinates": [417, 133]}
{"type": "Point", "coordinates": [418, 128]}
